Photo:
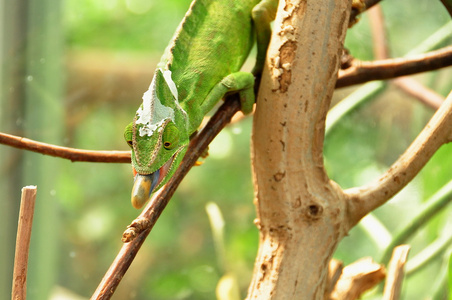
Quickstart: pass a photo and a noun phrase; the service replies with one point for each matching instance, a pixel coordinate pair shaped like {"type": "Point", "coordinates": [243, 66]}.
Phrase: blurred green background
{"type": "Point", "coordinates": [73, 73]}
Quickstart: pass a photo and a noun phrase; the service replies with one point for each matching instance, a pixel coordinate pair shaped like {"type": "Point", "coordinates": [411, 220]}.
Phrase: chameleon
{"type": "Point", "coordinates": [200, 65]}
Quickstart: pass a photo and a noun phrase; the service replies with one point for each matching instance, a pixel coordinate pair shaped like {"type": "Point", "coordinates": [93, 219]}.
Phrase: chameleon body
{"type": "Point", "coordinates": [201, 64]}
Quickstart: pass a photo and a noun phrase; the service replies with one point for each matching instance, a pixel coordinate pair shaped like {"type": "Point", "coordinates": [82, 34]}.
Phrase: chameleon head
{"type": "Point", "coordinates": [158, 137]}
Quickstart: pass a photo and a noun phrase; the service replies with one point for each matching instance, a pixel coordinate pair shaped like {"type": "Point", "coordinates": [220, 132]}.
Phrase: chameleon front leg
{"type": "Point", "coordinates": [263, 14]}
{"type": "Point", "coordinates": [243, 82]}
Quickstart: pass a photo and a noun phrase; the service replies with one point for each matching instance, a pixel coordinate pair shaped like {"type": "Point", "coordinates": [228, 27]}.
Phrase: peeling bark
{"type": "Point", "coordinates": [300, 211]}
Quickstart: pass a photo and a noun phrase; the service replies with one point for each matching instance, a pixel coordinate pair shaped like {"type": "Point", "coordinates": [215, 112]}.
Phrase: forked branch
{"type": "Point", "coordinates": [437, 132]}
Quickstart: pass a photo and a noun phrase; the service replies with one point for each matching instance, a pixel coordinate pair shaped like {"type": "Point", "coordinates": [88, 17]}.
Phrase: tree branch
{"type": "Point", "coordinates": [363, 71]}
{"type": "Point", "coordinates": [65, 152]}
{"type": "Point", "coordinates": [437, 132]}
{"type": "Point", "coordinates": [144, 223]}
{"type": "Point", "coordinates": [300, 212]}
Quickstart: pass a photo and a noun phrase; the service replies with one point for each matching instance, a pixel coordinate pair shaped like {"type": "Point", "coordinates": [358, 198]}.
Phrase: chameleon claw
{"type": "Point", "coordinates": [205, 153]}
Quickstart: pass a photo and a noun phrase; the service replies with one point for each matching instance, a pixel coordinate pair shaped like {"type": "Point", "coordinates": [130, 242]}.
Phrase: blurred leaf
{"type": "Point", "coordinates": [227, 288]}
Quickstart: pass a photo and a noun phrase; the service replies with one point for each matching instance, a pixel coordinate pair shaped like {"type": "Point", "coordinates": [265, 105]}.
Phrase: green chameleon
{"type": "Point", "coordinates": [201, 64]}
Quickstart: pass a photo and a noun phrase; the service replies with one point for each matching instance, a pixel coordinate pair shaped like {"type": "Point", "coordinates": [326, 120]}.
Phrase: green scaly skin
{"type": "Point", "coordinates": [200, 65]}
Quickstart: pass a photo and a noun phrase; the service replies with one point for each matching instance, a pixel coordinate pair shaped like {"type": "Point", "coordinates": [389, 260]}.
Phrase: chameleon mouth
{"type": "Point", "coordinates": [144, 185]}
{"type": "Point", "coordinates": [163, 171]}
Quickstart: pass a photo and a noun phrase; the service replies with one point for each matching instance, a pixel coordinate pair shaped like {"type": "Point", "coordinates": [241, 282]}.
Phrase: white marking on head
{"type": "Point", "coordinates": [170, 83]}
{"type": "Point", "coordinates": [152, 113]}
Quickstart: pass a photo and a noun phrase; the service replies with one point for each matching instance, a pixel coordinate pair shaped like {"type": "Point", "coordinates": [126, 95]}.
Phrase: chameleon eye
{"type": "Point", "coordinates": [128, 134]}
{"type": "Point", "coordinates": [170, 136]}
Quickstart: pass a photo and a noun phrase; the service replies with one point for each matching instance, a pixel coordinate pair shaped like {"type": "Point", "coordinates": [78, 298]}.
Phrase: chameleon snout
{"type": "Point", "coordinates": [143, 187]}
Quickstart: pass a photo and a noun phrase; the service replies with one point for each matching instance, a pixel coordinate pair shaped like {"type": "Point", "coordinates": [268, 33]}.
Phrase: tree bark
{"type": "Point", "coordinates": [301, 214]}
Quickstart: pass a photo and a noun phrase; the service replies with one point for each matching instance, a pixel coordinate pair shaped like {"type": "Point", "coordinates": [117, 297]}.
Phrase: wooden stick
{"type": "Point", "coordinates": [356, 278]}
{"type": "Point", "coordinates": [27, 206]}
{"type": "Point", "coordinates": [393, 285]}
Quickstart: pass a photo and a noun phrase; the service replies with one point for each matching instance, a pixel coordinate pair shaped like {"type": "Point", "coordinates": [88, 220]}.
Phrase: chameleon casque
{"type": "Point", "coordinates": [201, 64]}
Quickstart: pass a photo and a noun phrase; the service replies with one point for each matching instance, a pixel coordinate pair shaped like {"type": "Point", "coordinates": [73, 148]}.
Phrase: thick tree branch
{"type": "Point", "coordinates": [300, 211]}
{"type": "Point", "coordinates": [65, 152]}
{"type": "Point", "coordinates": [363, 71]}
{"type": "Point", "coordinates": [141, 227]}
{"type": "Point", "coordinates": [437, 132]}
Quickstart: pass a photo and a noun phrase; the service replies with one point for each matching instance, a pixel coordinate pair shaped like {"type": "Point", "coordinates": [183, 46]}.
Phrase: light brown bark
{"type": "Point", "coordinates": [27, 207]}
{"type": "Point", "coordinates": [300, 211]}
{"type": "Point", "coordinates": [357, 278]}
{"type": "Point", "coordinates": [301, 214]}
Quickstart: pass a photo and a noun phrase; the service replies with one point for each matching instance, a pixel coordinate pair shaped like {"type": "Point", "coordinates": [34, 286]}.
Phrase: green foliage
{"type": "Point", "coordinates": [136, 25]}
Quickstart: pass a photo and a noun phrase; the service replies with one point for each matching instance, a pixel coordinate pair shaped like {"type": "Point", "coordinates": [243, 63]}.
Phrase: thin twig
{"type": "Point", "coordinates": [153, 210]}
{"type": "Point", "coordinates": [27, 206]}
{"type": "Point", "coordinates": [394, 279]}
{"type": "Point", "coordinates": [65, 152]}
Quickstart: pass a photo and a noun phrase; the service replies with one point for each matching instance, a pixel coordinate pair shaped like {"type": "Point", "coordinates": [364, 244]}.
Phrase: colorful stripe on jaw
{"type": "Point", "coordinates": [144, 184]}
